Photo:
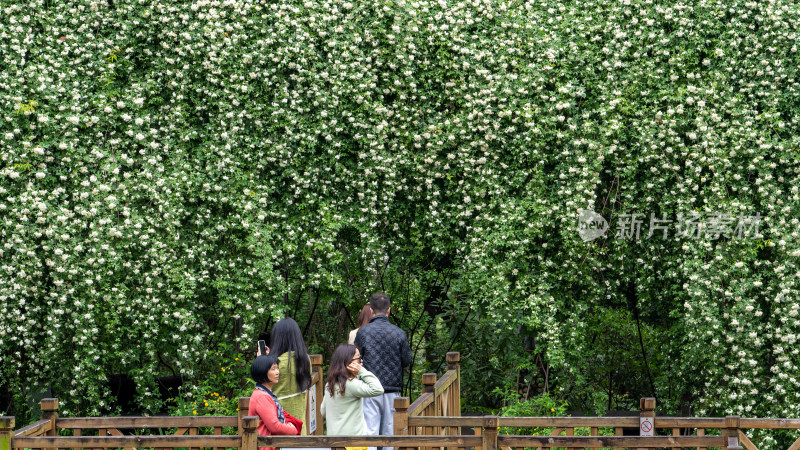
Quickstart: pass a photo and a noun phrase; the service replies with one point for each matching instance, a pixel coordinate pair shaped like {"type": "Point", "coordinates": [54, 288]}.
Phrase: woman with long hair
{"type": "Point", "coordinates": [347, 383]}
{"type": "Point", "coordinates": [363, 319]}
{"type": "Point", "coordinates": [264, 403]}
{"type": "Point", "coordinates": [286, 342]}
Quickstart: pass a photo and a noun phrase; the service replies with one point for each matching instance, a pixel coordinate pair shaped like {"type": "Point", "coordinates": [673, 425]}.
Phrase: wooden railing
{"type": "Point", "coordinates": [683, 431]}
{"type": "Point", "coordinates": [439, 398]}
{"type": "Point", "coordinates": [432, 421]}
{"type": "Point", "coordinates": [486, 437]}
{"type": "Point", "coordinates": [486, 434]}
{"type": "Point", "coordinates": [83, 429]}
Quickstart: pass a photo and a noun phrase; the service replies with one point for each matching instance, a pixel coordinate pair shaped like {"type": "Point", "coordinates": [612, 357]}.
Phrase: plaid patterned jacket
{"type": "Point", "coordinates": [385, 350]}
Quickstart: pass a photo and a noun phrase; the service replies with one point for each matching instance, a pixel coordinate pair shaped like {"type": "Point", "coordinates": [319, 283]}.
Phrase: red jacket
{"type": "Point", "coordinates": [261, 405]}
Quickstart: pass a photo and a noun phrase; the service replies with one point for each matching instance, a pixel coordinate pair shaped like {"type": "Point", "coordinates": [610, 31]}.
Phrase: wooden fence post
{"type": "Point", "coordinates": [49, 408]}
{"type": "Point", "coordinates": [316, 367]}
{"type": "Point", "coordinates": [429, 387]}
{"type": "Point", "coordinates": [647, 406]}
{"type": "Point", "coordinates": [489, 433]}
{"type": "Point", "coordinates": [6, 432]}
{"type": "Point", "coordinates": [401, 405]}
{"type": "Point", "coordinates": [428, 381]}
{"type": "Point", "coordinates": [250, 433]}
{"type": "Point", "coordinates": [731, 433]}
{"type": "Point", "coordinates": [453, 360]}
{"type": "Point", "coordinates": [244, 405]}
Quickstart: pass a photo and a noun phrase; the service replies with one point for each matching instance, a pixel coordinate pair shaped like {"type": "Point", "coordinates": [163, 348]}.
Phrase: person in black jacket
{"type": "Point", "coordinates": [384, 348]}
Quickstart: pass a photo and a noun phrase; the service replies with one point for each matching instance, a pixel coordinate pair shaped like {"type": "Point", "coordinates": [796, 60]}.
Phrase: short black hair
{"type": "Point", "coordinates": [259, 371]}
{"type": "Point", "coordinates": [379, 302]}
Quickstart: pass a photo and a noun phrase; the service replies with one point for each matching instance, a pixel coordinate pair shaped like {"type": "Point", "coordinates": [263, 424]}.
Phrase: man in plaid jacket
{"type": "Point", "coordinates": [384, 348]}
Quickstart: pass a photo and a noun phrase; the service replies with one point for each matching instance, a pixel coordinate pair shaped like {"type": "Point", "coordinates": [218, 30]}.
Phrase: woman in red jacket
{"type": "Point", "coordinates": [264, 404]}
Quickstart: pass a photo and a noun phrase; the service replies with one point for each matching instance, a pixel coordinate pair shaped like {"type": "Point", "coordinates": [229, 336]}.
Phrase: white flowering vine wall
{"type": "Point", "coordinates": [170, 167]}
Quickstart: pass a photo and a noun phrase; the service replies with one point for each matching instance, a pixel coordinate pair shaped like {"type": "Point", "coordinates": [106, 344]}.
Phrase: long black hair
{"type": "Point", "coordinates": [286, 337]}
{"type": "Point", "coordinates": [337, 372]}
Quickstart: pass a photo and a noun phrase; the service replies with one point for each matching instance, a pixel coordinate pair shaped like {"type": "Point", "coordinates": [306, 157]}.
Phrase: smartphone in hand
{"type": "Point", "coordinates": [262, 348]}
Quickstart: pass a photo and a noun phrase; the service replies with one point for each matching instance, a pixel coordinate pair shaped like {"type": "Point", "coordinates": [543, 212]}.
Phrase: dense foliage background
{"type": "Point", "coordinates": [175, 176]}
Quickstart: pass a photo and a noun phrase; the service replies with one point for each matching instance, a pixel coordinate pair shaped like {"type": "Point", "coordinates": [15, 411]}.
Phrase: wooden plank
{"type": "Point", "coordinates": [148, 422]}
{"type": "Point", "coordinates": [701, 432]}
{"type": "Point", "coordinates": [126, 441]}
{"type": "Point", "coordinates": [218, 432]}
{"type": "Point", "coordinates": [434, 431]}
{"type": "Point", "coordinates": [568, 422]}
{"type": "Point", "coordinates": [611, 441]}
{"type": "Point", "coordinates": [748, 444]}
{"type": "Point", "coordinates": [796, 445]}
{"type": "Point", "coordinates": [34, 429]}
{"type": "Point", "coordinates": [452, 431]}
{"type": "Point", "coordinates": [419, 405]}
{"type": "Point", "coordinates": [557, 432]}
{"type": "Point", "coordinates": [419, 421]}
{"type": "Point", "coordinates": [442, 384]}
{"type": "Point", "coordinates": [689, 422]}
{"type": "Point", "coordinates": [768, 423]}
{"type": "Point", "coordinates": [489, 438]}
{"type": "Point", "coordinates": [115, 432]}
{"type": "Point", "coordinates": [369, 441]}
{"type": "Point", "coordinates": [193, 432]}
{"type": "Point", "coordinates": [49, 407]}
{"type": "Point", "coordinates": [570, 431]}
{"type": "Point", "coordinates": [7, 424]}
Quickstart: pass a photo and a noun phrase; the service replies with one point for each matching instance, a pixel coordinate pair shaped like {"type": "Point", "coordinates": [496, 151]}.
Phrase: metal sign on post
{"type": "Point", "coordinates": [312, 411]}
{"type": "Point", "coordinates": [646, 427]}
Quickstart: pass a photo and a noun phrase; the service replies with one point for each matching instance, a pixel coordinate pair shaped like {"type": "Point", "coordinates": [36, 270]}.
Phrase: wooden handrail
{"type": "Point", "coordinates": [661, 422]}
{"type": "Point", "coordinates": [611, 441]}
{"type": "Point", "coordinates": [125, 441]}
{"type": "Point", "coordinates": [347, 441]}
{"type": "Point", "coordinates": [729, 426]}
{"type": "Point", "coordinates": [568, 422]}
{"type": "Point", "coordinates": [419, 405]}
{"type": "Point", "coordinates": [34, 429]}
{"type": "Point", "coordinates": [146, 422]}
{"type": "Point", "coordinates": [443, 383]}
{"type": "Point", "coordinates": [369, 441]}
{"type": "Point", "coordinates": [444, 421]}
{"type": "Point", "coordinates": [770, 423]}
{"type": "Point", "coordinates": [689, 422]}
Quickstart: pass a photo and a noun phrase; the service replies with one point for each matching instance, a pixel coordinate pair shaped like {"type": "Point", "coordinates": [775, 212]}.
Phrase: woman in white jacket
{"type": "Point", "coordinates": [347, 383]}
